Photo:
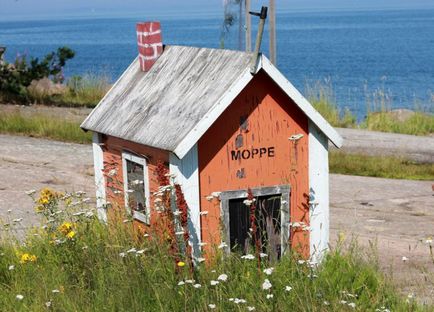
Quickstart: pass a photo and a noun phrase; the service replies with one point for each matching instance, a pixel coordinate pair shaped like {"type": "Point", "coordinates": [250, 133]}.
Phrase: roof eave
{"type": "Point", "coordinates": [301, 102]}
{"type": "Point", "coordinates": [196, 133]}
{"type": "Point", "coordinates": [264, 63]}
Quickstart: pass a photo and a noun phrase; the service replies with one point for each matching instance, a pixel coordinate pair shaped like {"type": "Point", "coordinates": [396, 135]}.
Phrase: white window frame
{"type": "Point", "coordinates": [143, 217]}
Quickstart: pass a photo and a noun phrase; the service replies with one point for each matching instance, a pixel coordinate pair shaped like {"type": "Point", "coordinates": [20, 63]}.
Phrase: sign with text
{"type": "Point", "coordinates": [253, 153]}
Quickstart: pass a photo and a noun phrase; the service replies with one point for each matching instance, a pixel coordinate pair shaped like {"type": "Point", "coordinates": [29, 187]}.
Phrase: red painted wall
{"type": "Point", "coordinates": [272, 117]}
{"type": "Point", "coordinates": [112, 150]}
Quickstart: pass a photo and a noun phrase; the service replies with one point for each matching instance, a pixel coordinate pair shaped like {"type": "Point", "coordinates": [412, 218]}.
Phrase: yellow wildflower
{"type": "Point", "coordinates": [70, 235]}
{"type": "Point", "coordinates": [66, 227]}
{"type": "Point", "coordinates": [181, 263]}
{"type": "Point", "coordinates": [47, 196]}
{"type": "Point", "coordinates": [26, 257]}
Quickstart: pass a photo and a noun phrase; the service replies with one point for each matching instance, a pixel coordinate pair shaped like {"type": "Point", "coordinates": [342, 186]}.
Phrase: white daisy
{"type": "Point", "coordinates": [266, 285]}
{"type": "Point", "coordinates": [222, 277]}
{"type": "Point", "coordinates": [269, 271]}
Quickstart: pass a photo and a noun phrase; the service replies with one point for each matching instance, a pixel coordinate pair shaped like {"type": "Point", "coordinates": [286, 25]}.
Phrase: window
{"type": "Point", "coordinates": [272, 220]}
{"type": "Point", "coordinates": [136, 186]}
{"type": "Point", "coordinates": [268, 225]}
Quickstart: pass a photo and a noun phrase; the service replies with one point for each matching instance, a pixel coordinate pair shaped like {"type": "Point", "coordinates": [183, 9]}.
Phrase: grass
{"type": "Point", "coordinates": [379, 116]}
{"type": "Point", "coordinates": [85, 91]}
{"type": "Point", "coordinates": [376, 166]}
{"type": "Point", "coordinates": [96, 269]}
{"type": "Point", "coordinates": [43, 126]}
{"type": "Point", "coordinates": [417, 124]}
{"type": "Point", "coordinates": [322, 98]}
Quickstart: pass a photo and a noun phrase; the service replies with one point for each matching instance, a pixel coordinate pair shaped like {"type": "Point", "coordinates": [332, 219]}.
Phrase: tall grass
{"type": "Point", "coordinates": [115, 268]}
{"type": "Point", "coordinates": [87, 90]}
{"type": "Point", "coordinates": [417, 124]}
{"type": "Point", "coordinates": [43, 126]}
{"type": "Point", "coordinates": [321, 96]}
{"type": "Point", "coordinates": [84, 91]}
{"type": "Point", "coordinates": [381, 117]}
{"type": "Point", "coordinates": [379, 166]}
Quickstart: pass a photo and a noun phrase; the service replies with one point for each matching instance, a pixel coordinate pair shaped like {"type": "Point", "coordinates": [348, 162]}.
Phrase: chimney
{"type": "Point", "coordinates": [149, 43]}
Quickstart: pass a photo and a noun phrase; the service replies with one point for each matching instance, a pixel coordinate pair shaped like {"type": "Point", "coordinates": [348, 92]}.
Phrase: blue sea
{"type": "Point", "coordinates": [376, 57]}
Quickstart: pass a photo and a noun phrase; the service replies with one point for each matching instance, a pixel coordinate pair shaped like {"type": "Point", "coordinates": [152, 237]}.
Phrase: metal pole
{"type": "Point", "coordinates": [240, 26]}
{"type": "Point", "coordinates": [273, 31]}
{"type": "Point", "coordinates": [248, 27]}
{"type": "Point", "coordinates": [262, 16]}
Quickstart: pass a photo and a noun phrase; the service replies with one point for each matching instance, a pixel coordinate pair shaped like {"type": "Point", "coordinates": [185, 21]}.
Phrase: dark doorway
{"type": "Point", "coordinates": [268, 224]}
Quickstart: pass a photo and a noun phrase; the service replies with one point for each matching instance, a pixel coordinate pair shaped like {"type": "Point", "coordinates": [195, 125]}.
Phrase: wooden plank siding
{"type": "Point", "coordinates": [261, 116]}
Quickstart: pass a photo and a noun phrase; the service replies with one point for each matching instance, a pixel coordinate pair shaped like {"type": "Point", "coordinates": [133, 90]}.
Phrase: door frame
{"type": "Point", "coordinates": [283, 190]}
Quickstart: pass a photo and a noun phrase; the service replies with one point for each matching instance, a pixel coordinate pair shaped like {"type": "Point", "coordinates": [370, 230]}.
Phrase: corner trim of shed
{"type": "Point", "coordinates": [264, 63]}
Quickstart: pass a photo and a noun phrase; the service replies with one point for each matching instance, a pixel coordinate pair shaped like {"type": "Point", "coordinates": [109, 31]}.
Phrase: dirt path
{"type": "Point", "coordinates": [396, 214]}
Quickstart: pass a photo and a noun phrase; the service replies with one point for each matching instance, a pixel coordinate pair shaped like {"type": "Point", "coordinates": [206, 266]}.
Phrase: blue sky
{"type": "Point", "coordinates": [29, 9]}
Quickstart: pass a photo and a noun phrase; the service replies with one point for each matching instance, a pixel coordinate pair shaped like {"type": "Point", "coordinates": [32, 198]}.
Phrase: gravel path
{"type": "Point", "coordinates": [397, 215]}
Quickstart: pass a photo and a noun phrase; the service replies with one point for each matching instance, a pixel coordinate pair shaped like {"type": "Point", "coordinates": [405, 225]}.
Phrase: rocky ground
{"type": "Point", "coordinates": [397, 216]}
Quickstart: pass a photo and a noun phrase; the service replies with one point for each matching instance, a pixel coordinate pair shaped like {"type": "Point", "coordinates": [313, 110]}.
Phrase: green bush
{"type": "Point", "coordinates": [16, 77]}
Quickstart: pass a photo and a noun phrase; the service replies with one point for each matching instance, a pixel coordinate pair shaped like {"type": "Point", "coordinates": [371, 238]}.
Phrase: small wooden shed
{"type": "Point", "coordinates": [221, 130]}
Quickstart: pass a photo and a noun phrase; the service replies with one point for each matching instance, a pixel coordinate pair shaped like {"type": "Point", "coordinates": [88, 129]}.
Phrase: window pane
{"type": "Point", "coordinates": [136, 187]}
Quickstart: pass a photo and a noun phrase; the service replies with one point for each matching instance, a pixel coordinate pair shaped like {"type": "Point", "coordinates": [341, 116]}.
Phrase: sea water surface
{"type": "Point", "coordinates": [362, 55]}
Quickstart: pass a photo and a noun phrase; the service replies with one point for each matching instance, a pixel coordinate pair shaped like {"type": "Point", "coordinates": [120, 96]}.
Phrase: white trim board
{"type": "Point", "coordinates": [318, 193]}
{"type": "Point", "coordinates": [264, 63]}
{"type": "Point", "coordinates": [143, 217]}
{"type": "Point", "coordinates": [186, 172]}
{"type": "Point", "coordinates": [98, 165]}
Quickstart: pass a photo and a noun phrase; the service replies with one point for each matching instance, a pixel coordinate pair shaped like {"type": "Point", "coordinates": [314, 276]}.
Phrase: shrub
{"type": "Point", "coordinates": [16, 77]}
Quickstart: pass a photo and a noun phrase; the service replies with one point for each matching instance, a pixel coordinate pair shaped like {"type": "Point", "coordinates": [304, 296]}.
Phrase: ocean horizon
{"type": "Point", "coordinates": [381, 57]}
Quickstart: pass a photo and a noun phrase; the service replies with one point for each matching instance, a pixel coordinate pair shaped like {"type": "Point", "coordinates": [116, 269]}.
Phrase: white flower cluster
{"type": "Point", "coordinates": [248, 257]}
{"type": "Point", "coordinates": [299, 225]}
{"type": "Point", "coordinates": [382, 309]}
